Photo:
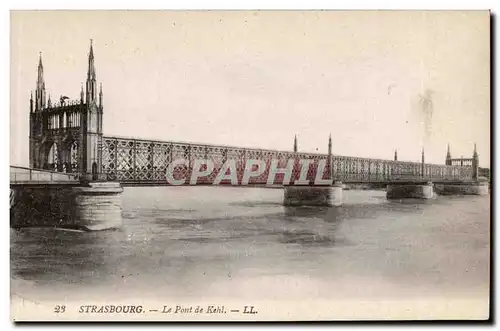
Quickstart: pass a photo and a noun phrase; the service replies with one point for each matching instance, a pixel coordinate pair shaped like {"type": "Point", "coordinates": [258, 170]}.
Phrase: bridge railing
{"type": "Point", "coordinates": [353, 169]}
{"type": "Point", "coordinates": [24, 174]}
{"type": "Point", "coordinates": [134, 160]}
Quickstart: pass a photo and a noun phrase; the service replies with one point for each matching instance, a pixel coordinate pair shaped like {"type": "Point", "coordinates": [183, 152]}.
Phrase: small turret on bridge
{"type": "Point", "coordinates": [472, 162]}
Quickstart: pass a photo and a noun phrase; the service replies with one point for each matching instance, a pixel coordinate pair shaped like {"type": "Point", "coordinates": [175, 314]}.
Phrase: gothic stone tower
{"type": "Point", "coordinates": [66, 136]}
{"type": "Point", "coordinates": [92, 123]}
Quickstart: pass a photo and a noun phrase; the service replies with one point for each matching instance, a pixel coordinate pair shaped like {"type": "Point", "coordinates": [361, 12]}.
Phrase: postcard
{"type": "Point", "coordinates": [205, 165]}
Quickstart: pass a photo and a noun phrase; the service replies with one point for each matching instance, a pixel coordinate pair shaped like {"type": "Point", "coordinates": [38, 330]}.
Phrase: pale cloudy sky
{"type": "Point", "coordinates": [254, 79]}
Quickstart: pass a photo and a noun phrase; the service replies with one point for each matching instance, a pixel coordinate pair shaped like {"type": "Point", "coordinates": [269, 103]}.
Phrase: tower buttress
{"type": "Point", "coordinates": [100, 96]}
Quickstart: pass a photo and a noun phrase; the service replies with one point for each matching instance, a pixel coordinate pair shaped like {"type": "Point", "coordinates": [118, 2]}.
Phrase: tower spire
{"type": "Point", "coordinates": [395, 155]}
{"type": "Point", "coordinates": [422, 165]}
{"type": "Point", "coordinates": [31, 102]}
{"type": "Point", "coordinates": [295, 147]}
{"type": "Point", "coordinates": [330, 146]}
{"type": "Point", "coordinates": [475, 163]}
{"type": "Point", "coordinates": [40, 86]}
{"type": "Point", "coordinates": [40, 83]}
{"type": "Point", "coordinates": [91, 77]}
{"type": "Point", "coordinates": [81, 94]}
{"type": "Point", "coordinates": [448, 155]}
{"type": "Point", "coordinates": [40, 67]}
{"type": "Point", "coordinates": [91, 70]}
{"type": "Point", "coordinates": [329, 160]}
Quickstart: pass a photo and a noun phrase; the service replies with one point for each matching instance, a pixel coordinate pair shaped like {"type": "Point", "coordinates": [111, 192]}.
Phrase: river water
{"type": "Point", "coordinates": [243, 244]}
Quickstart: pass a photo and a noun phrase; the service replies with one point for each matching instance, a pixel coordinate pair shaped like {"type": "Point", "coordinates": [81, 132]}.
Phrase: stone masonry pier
{"type": "Point", "coordinates": [89, 207]}
{"type": "Point", "coordinates": [480, 187]}
{"type": "Point", "coordinates": [410, 191]}
{"type": "Point", "coordinates": [313, 195]}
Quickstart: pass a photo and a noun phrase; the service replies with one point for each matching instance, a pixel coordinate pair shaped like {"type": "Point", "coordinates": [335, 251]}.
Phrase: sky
{"type": "Point", "coordinates": [375, 80]}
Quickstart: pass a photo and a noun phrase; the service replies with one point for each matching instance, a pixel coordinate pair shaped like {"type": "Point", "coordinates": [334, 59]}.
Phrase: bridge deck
{"type": "Point", "coordinates": [381, 182]}
{"type": "Point", "coordinates": [37, 177]}
{"type": "Point", "coordinates": [28, 176]}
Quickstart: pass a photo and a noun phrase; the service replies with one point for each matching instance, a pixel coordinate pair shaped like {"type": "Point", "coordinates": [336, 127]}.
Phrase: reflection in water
{"type": "Point", "coordinates": [243, 243]}
{"type": "Point", "coordinates": [65, 256]}
{"type": "Point", "coordinates": [308, 226]}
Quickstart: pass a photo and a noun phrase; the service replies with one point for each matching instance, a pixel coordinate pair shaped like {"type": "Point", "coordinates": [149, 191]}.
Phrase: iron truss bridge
{"type": "Point", "coordinates": [145, 162]}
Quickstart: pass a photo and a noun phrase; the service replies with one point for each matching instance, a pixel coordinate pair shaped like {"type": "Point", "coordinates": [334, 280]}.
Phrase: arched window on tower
{"type": "Point", "coordinates": [53, 157]}
{"type": "Point", "coordinates": [64, 120]}
{"type": "Point", "coordinates": [94, 171]}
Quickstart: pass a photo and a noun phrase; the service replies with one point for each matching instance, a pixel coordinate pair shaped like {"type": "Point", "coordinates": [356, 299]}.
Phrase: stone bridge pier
{"type": "Point", "coordinates": [313, 195]}
{"type": "Point", "coordinates": [430, 190]}
{"type": "Point", "coordinates": [332, 195]}
{"type": "Point", "coordinates": [89, 207]}
{"type": "Point", "coordinates": [480, 187]}
{"type": "Point", "coordinates": [410, 191]}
